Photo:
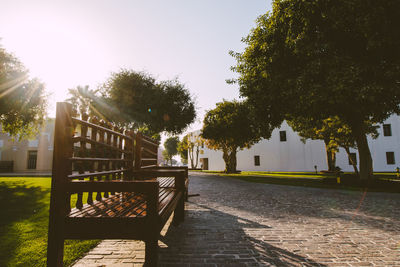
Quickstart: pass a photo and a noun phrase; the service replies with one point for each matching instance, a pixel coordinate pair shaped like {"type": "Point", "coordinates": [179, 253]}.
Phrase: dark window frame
{"type": "Point", "coordinates": [390, 159]}
{"type": "Point", "coordinates": [256, 160]}
{"type": "Point", "coordinates": [282, 136]}
{"type": "Point", "coordinates": [32, 159]}
{"type": "Point", "coordinates": [387, 129]}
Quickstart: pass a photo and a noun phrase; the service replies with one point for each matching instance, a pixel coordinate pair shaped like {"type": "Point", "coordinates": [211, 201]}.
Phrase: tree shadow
{"type": "Point", "coordinates": [209, 236]}
{"type": "Point", "coordinates": [19, 202]}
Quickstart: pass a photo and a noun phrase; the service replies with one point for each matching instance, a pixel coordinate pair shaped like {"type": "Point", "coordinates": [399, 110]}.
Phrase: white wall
{"type": "Point", "coordinates": [294, 155]}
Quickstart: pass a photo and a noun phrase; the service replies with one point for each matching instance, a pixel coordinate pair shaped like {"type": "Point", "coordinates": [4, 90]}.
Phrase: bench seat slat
{"type": "Point", "coordinates": [132, 205]}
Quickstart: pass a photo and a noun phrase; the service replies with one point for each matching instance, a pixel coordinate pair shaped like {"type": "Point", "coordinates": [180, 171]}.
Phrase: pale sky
{"type": "Point", "coordinates": [70, 43]}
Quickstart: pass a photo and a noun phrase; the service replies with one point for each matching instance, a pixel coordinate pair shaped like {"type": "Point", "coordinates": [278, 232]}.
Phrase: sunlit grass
{"type": "Point", "coordinates": [24, 203]}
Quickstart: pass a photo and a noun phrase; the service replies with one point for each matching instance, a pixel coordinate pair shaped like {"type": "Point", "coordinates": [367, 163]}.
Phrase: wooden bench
{"type": "Point", "coordinates": [95, 162]}
{"type": "Point", "coordinates": [146, 158]}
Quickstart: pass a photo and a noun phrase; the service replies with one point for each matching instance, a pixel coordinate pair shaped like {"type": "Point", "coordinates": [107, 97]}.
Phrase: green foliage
{"type": "Point", "coordinates": [333, 131]}
{"type": "Point", "coordinates": [171, 147]}
{"type": "Point", "coordinates": [318, 59]}
{"type": "Point", "coordinates": [230, 127]}
{"type": "Point", "coordinates": [183, 149]}
{"type": "Point", "coordinates": [22, 100]}
{"type": "Point", "coordinates": [137, 98]}
{"type": "Point", "coordinates": [84, 101]}
{"type": "Point", "coordinates": [190, 146]}
{"type": "Point", "coordinates": [23, 232]}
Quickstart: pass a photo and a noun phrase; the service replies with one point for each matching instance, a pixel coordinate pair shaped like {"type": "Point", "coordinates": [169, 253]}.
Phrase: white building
{"type": "Point", "coordinates": [285, 151]}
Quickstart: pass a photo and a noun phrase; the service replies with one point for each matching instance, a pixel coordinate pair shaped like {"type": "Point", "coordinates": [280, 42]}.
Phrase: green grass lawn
{"type": "Point", "coordinates": [387, 182]}
{"type": "Point", "coordinates": [24, 205]}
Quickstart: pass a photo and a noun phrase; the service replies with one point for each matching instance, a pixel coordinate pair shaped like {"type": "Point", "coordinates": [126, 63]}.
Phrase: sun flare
{"type": "Point", "coordinates": [61, 52]}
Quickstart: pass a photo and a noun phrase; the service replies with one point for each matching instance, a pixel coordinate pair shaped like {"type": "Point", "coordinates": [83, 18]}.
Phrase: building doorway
{"type": "Point", "coordinates": [32, 160]}
{"type": "Point", "coordinates": [204, 163]}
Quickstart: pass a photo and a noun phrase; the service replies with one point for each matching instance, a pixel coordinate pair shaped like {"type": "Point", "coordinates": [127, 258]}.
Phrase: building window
{"type": "Point", "coordinates": [282, 136]}
{"type": "Point", "coordinates": [1, 143]}
{"type": "Point", "coordinates": [387, 130]}
{"type": "Point", "coordinates": [256, 160]}
{"type": "Point", "coordinates": [32, 159]}
{"type": "Point", "coordinates": [390, 158]}
{"type": "Point", "coordinates": [352, 157]}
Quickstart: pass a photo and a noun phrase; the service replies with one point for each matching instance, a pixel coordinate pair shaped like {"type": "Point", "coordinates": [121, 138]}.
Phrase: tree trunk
{"type": "Point", "coordinates": [190, 149]}
{"type": "Point", "coordinates": [197, 156]}
{"type": "Point", "coordinates": [366, 168]}
{"type": "Point", "coordinates": [352, 161]}
{"type": "Point", "coordinates": [230, 160]}
{"type": "Point", "coordinates": [330, 156]}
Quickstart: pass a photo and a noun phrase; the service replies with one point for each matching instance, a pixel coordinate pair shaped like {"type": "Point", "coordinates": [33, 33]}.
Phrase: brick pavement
{"type": "Point", "coordinates": [235, 223]}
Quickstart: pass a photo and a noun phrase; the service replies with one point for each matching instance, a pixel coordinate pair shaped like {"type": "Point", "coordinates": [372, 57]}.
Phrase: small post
{"type": "Point", "coordinates": [338, 174]}
{"type": "Point", "coordinates": [138, 151]}
{"type": "Point", "coordinates": [316, 169]}
{"type": "Point", "coordinates": [180, 207]}
{"type": "Point", "coordinates": [151, 253]}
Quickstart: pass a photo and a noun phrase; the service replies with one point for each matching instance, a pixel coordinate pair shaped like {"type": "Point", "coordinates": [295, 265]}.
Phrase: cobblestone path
{"type": "Point", "coordinates": [236, 223]}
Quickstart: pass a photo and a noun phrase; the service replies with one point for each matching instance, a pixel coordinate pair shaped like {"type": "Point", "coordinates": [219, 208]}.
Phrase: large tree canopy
{"type": "Point", "coordinates": [160, 106]}
{"type": "Point", "coordinates": [317, 59]}
{"type": "Point", "coordinates": [22, 100]}
{"type": "Point", "coordinates": [230, 127]}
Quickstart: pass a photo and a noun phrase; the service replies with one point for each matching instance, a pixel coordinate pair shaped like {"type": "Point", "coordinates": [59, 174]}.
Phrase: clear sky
{"type": "Point", "coordinates": [69, 43]}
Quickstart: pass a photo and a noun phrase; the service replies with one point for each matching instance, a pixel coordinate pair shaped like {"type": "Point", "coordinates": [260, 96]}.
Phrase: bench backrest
{"type": "Point", "coordinates": [89, 149]}
{"type": "Point", "coordinates": [146, 152]}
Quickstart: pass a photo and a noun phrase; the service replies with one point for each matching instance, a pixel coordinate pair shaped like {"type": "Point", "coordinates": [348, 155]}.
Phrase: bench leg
{"type": "Point", "coordinates": [151, 254]}
{"type": "Point", "coordinates": [55, 252]}
{"type": "Point", "coordinates": [179, 211]}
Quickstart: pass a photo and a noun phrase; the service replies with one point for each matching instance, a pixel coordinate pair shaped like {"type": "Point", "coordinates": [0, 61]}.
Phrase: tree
{"type": "Point", "coordinates": [137, 98]}
{"type": "Point", "coordinates": [171, 148]}
{"type": "Point", "coordinates": [317, 130]}
{"type": "Point", "coordinates": [183, 150]}
{"type": "Point", "coordinates": [334, 132]}
{"type": "Point", "coordinates": [84, 100]}
{"type": "Point", "coordinates": [190, 146]}
{"type": "Point", "coordinates": [318, 59]}
{"type": "Point", "coordinates": [230, 127]}
{"type": "Point", "coordinates": [22, 100]}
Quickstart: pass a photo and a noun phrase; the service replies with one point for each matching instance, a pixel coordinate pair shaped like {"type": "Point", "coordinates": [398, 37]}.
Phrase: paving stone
{"type": "Point", "coordinates": [235, 223]}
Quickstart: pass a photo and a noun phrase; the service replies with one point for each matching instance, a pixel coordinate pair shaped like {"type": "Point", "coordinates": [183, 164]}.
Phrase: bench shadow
{"type": "Point", "coordinates": [209, 236]}
{"type": "Point", "coordinates": [17, 203]}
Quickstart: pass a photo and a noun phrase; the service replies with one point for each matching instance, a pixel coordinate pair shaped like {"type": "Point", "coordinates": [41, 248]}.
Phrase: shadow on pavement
{"type": "Point", "coordinates": [209, 236]}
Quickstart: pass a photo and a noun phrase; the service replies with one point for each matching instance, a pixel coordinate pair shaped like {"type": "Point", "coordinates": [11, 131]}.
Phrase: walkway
{"type": "Point", "coordinates": [235, 223]}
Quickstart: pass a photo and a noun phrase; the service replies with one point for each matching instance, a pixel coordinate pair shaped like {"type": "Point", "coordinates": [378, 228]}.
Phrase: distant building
{"type": "Point", "coordinates": [285, 151]}
{"type": "Point", "coordinates": [35, 155]}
